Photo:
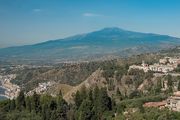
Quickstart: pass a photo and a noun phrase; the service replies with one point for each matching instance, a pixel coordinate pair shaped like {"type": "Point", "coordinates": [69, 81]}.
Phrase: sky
{"type": "Point", "coordinates": [25, 22]}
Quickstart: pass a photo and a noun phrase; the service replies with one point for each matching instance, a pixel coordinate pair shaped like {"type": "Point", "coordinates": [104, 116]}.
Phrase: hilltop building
{"type": "Point", "coordinates": [41, 88]}
{"type": "Point", "coordinates": [173, 102]}
{"type": "Point", "coordinates": [165, 65]}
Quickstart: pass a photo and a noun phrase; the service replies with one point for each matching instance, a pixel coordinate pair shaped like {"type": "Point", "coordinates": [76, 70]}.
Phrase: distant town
{"type": "Point", "coordinates": [166, 66]}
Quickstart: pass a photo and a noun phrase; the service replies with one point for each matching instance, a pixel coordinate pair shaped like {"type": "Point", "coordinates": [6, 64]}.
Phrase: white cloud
{"type": "Point", "coordinates": [91, 15]}
{"type": "Point", "coordinates": [37, 10]}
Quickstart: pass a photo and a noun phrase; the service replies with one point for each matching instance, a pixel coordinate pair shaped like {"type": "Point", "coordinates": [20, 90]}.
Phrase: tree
{"type": "Point", "coordinates": [119, 94]}
{"type": "Point", "coordinates": [77, 99]}
{"type": "Point", "coordinates": [158, 86]}
{"type": "Point", "coordinates": [46, 114]}
{"type": "Point", "coordinates": [80, 96]}
{"type": "Point", "coordinates": [169, 78]}
{"type": "Point", "coordinates": [96, 104]}
{"type": "Point", "coordinates": [53, 105]}
{"type": "Point", "coordinates": [104, 100]}
{"type": "Point", "coordinates": [90, 95]}
{"type": "Point", "coordinates": [83, 92]}
{"type": "Point", "coordinates": [85, 110]}
{"type": "Point", "coordinates": [53, 115]}
{"type": "Point", "coordinates": [28, 103]}
{"type": "Point", "coordinates": [36, 102]}
{"type": "Point", "coordinates": [178, 86]}
{"type": "Point", "coordinates": [96, 94]}
{"type": "Point", "coordinates": [170, 90]}
{"type": "Point", "coordinates": [21, 101]}
{"type": "Point", "coordinates": [62, 108]}
{"type": "Point", "coordinates": [12, 105]}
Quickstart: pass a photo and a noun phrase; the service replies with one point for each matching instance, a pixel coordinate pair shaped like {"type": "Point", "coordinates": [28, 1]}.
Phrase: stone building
{"type": "Point", "coordinates": [173, 102]}
{"type": "Point", "coordinates": [165, 65]}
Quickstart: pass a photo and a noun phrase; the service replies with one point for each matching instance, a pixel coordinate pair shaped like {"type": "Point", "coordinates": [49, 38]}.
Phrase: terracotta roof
{"type": "Point", "coordinates": [177, 93]}
{"type": "Point", "coordinates": [155, 104]}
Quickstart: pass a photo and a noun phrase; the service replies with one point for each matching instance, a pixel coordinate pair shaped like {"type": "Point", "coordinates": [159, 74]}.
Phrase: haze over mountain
{"type": "Point", "coordinates": [108, 41]}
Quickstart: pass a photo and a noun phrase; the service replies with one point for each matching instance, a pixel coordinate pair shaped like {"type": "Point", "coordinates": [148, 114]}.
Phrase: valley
{"type": "Point", "coordinates": [89, 60]}
{"type": "Point", "coordinates": [135, 81]}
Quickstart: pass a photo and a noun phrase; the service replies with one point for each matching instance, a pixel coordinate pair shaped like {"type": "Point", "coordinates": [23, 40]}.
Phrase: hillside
{"type": "Point", "coordinates": [110, 85]}
{"type": "Point", "coordinates": [108, 41]}
{"type": "Point", "coordinates": [95, 79]}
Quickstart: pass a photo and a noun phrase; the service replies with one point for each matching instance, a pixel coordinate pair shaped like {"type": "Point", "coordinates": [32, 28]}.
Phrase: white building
{"type": "Point", "coordinates": [161, 68]}
{"type": "Point", "coordinates": [173, 102]}
{"type": "Point", "coordinates": [165, 65]}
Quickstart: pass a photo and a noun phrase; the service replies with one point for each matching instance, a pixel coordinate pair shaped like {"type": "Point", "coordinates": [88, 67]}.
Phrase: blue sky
{"type": "Point", "coordinates": [32, 21]}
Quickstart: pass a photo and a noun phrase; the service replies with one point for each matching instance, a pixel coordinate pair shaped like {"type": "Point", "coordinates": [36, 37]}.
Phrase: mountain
{"type": "Point", "coordinates": [108, 41]}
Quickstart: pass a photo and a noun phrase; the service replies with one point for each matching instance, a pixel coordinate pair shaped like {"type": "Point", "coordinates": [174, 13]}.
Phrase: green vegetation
{"type": "Point", "coordinates": [92, 104]}
{"type": "Point", "coordinates": [178, 68]}
{"type": "Point", "coordinates": [122, 98]}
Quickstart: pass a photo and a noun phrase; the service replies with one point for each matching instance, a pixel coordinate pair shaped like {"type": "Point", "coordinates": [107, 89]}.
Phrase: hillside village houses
{"type": "Point", "coordinates": [165, 65]}
{"type": "Point", "coordinates": [12, 90]}
{"type": "Point", "coordinates": [42, 87]}
{"type": "Point", "coordinates": [173, 102]}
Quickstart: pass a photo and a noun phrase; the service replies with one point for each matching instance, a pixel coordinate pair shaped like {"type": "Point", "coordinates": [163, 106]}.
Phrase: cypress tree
{"type": "Point", "coordinates": [105, 100]}
{"type": "Point", "coordinates": [179, 86]}
{"type": "Point", "coordinates": [90, 95]}
{"type": "Point", "coordinates": [21, 101]}
{"type": "Point", "coordinates": [78, 99]}
{"type": "Point", "coordinates": [12, 105]}
{"type": "Point", "coordinates": [45, 112]}
{"type": "Point", "coordinates": [53, 105]}
{"type": "Point", "coordinates": [85, 110]}
{"type": "Point", "coordinates": [62, 108]}
{"type": "Point", "coordinates": [36, 102]}
{"type": "Point", "coordinates": [28, 104]}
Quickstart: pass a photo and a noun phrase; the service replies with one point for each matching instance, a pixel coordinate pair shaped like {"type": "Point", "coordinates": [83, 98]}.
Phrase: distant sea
{"type": "Point", "coordinates": [2, 90]}
{"type": "Point", "coordinates": [2, 98]}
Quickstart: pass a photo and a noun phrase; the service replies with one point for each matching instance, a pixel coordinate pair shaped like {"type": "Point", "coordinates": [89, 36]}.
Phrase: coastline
{"type": "Point", "coordinates": [3, 97]}
{"type": "Point", "coordinates": [7, 89]}
{"type": "Point", "coordinates": [2, 93]}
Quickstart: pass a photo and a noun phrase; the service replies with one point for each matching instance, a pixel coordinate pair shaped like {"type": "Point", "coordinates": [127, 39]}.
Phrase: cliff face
{"type": "Point", "coordinates": [95, 79]}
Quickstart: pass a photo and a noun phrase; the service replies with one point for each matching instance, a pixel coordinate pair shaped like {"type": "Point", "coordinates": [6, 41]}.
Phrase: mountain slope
{"type": "Point", "coordinates": [95, 79]}
{"type": "Point", "coordinates": [107, 41]}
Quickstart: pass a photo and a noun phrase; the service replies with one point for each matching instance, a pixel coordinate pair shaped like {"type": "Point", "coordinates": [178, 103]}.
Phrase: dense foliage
{"type": "Point", "coordinates": [93, 104]}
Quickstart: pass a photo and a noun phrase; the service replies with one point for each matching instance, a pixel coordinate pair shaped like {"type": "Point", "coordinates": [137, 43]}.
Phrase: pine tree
{"type": "Point", "coordinates": [105, 100]}
{"type": "Point", "coordinates": [12, 105]}
{"type": "Point", "coordinates": [90, 95]}
{"type": "Point", "coordinates": [96, 102]}
{"type": "Point", "coordinates": [85, 110]}
{"type": "Point", "coordinates": [83, 92]}
{"type": "Point", "coordinates": [158, 86]}
{"type": "Point", "coordinates": [21, 101]}
{"type": "Point", "coordinates": [62, 108]}
{"type": "Point", "coordinates": [102, 102]}
{"type": "Point", "coordinates": [45, 112]}
{"type": "Point", "coordinates": [28, 103]}
{"type": "Point", "coordinates": [96, 94]}
{"type": "Point", "coordinates": [178, 86]}
{"type": "Point", "coordinates": [53, 105]}
{"type": "Point", "coordinates": [118, 93]}
{"type": "Point", "coordinates": [36, 102]}
{"type": "Point", "coordinates": [77, 99]}
{"type": "Point", "coordinates": [170, 90]}
{"type": "Point", "coordinates": [53, 115]}
{"type": "Point", "coordinates": [169, 78]}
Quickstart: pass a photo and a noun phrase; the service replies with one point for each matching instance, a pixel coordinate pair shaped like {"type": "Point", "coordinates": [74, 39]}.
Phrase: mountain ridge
{"type": "Point", "coordinates": [106, 41]}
